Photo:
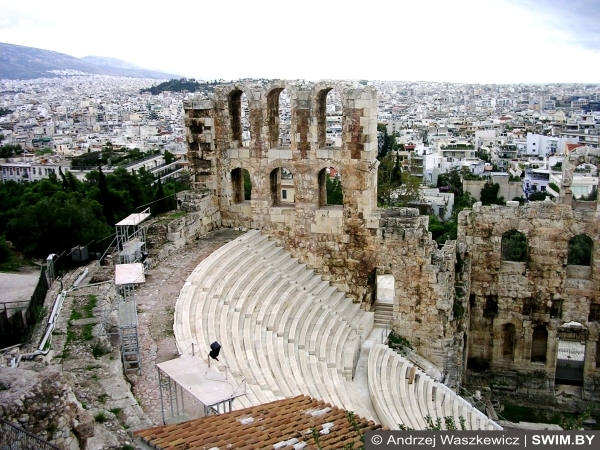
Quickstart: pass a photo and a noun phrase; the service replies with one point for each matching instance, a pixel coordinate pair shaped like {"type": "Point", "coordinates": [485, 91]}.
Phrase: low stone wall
{"type": "Point", "coordinates": [197, 215]}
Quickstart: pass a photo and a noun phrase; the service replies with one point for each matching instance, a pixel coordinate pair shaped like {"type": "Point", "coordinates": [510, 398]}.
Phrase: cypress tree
{"type": "Point", "coordinates": [107, 209]}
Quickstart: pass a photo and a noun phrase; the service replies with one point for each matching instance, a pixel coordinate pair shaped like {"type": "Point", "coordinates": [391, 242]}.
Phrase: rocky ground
{"type": "Point", "coordinates": [99, 406]}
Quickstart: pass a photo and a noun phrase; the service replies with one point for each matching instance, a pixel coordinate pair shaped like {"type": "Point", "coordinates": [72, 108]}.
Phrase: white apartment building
{"type": "Point", "coordinates": [540, 145]}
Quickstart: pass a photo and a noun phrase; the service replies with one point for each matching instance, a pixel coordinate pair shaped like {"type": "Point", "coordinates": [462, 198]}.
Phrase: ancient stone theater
{"type": "Point", "coordinates": [475, 317]}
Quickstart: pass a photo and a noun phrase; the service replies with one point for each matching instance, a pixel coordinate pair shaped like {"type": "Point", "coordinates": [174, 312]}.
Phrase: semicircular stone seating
{"type": "Point", "coordinates": [282, 328]}
{"type": "Point", "coordinates": [402, 394]}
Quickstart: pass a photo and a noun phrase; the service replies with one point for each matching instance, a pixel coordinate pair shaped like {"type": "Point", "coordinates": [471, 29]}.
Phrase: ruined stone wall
{"type": "Point", "coordinates": [335, 240]}
{"type": "Point", "coordinates": [543, 290]}
{"type": "Point", "coordinates": [197, 214]}
{"type": "Point", "coordinates": [425, 279]}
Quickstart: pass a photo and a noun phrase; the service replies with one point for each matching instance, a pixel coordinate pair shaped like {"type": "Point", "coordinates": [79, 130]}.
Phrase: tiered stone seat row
{"type": "Point", "coordinates": [404, 395]}
{"type": "Point", "coordinates": [282, 328]}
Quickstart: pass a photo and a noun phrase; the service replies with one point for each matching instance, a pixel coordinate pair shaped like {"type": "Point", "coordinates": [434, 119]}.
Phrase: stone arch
{"type": "Point", "coordinates": [271, 93]}
{"type": "Point", "coordinates": [319, 99]}
{"type": "Point", "coordinates": [241, 185]}
{"type": "Point", "coordinates": [509, 339]}
{"type": "Point", "coordinates": [282, 187]}
{"type": "Point", "coordinates": [581, 249]}
{"type": "Point", "coordinates": [330, 185]}
{"type": "Point", "coordinates": [539, 344]}
{"type": "Point", "coordinates": [234, 106]}
{"type": "Point", "coordinates": [514, 246]}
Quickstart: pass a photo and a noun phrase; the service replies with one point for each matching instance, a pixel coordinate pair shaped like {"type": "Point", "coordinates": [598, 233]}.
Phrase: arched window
{"type": "Point", "coordinates": [235, 116]}
{"type": "Point", "coordinates": [514, 246]}
{"type": "Point", "coordinates": [539, 344]}
{"type": "Point", "coordinates": [239, 120]}
{"type": "Point", "coordinates": [509, 335]}
{"type": "Point", "coordinates": [580, 250]}
{"type": "Point", "coordinates": [241, 185]}
{"type": "Point", "coordinates": [273, 117]}
{"type": "Point", "coordinates": [283, 191]}
{"type": "Point", "coordinates": [329, 118]}
{"type": "Point", "coordinates": [285, 119]}
{"type": "Point", "coordinates": [330, 187]}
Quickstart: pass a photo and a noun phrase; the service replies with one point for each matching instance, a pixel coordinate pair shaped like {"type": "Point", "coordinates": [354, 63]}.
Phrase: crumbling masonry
{"type": "Point", "coordinates": [440, 293]}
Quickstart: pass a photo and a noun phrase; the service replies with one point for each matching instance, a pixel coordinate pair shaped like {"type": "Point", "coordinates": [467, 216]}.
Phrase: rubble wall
{"type": "Point", "coordinates": [425, 278]}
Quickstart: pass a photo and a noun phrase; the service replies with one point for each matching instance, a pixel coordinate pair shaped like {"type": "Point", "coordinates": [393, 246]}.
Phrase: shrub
{"type": "Point", "coordinates": [100, 417]}
{"type": "Point", "coordinates": [397, 341]}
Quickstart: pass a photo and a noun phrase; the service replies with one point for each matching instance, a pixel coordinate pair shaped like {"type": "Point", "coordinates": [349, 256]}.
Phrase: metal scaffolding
{"type": "Point", "coordinates": [131, 239]}
{"type": "Point", "coordinates": [189, 376]}
{"type": "Point", "coordinates": [130, 344]}
{"type": "Point", "coordinates": [127, 276]}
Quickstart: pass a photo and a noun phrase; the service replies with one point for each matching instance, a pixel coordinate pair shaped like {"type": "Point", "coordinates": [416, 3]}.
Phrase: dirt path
{"type": "Point", "coordinates": [156, 302]}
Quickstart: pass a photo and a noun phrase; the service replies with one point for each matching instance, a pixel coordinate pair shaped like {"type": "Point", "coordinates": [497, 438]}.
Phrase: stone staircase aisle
{"type": "Point", "coordinates": [384, 305]}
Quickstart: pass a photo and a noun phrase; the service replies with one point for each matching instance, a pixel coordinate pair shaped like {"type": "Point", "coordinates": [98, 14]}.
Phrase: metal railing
{"type": "Point", "coordinates": [13, 437]}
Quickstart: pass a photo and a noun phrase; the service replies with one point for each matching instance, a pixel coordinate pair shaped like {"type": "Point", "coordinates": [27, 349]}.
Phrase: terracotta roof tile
{"type": "Point", "coordinates": [282, 423]}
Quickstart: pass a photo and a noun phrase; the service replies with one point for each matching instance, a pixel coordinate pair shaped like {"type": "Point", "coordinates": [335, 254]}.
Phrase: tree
{"type": "Point", "coordinates": [8, 150]}
{"type": "Point", "coordinates": [169, 157]}
{"type": "Point", "coordinates": [514, 246]}
{"type": "Point", "coordinates": [580, 250]}
{"type": "Point", "coordinates": [55, 224]}
{"type": "Point", "coordinates": [334, 191]}
{"type": "Point", "coordinates": [451, 181]}
{"type": "Point", "coordinates": [247, 185]}
{"type": "Point", "coordinates": [409, 190]}
{"type": "Point", "coordinates": [160, 205]}
{"type": "Point", "coordinates": [387, 180]}
{"type": "Point", "coordinates": [539, 196]}
{"type": "Point", "coordinates": [489, 195]}
{"type": "Point", "coordinates": [105, 200]}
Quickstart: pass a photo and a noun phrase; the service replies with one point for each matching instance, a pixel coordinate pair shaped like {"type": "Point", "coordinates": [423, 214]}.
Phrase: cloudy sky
{"type": "Point", "coordinates": [478, 41]}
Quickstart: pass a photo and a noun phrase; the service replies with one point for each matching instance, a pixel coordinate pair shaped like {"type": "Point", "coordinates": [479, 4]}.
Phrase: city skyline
{"type": "Point", "coordinates": [502, 41]}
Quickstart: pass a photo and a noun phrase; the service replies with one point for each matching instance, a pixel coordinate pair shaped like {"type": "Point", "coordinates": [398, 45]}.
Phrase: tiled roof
{"type": "Point", "coordinates": [571, 147]}
{"type": "Point", "coordinates": [282, 424]}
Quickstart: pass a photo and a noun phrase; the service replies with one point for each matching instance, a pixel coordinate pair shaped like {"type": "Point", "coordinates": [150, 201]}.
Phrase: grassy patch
{"type": "Point", "coordinates": [98, 350]}
{"type": "Point", "coordinates": [86, 332]}
{"type": "Point", "coordinates": [102, 398]}
{"type": "Point", "coordinates": [100, 417]}
{"type": "Point", "coordinates": [179, 214]}
{"type": "Point", "coordinates": [88, 309]}
{"type": "Point", "coordinates": [397, 341]}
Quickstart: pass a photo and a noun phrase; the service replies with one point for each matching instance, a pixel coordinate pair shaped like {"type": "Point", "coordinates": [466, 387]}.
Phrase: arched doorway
{"type": "Point", "coordinates": [570, 357]}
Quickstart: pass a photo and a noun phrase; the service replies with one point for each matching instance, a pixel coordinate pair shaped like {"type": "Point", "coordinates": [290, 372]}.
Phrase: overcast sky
{"type": "Point", "coordinates": [471, 41]}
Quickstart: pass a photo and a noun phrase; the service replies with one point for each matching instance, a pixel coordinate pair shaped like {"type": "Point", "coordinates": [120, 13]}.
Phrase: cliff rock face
{"type": "Point", "coordinates": [42, 402]}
